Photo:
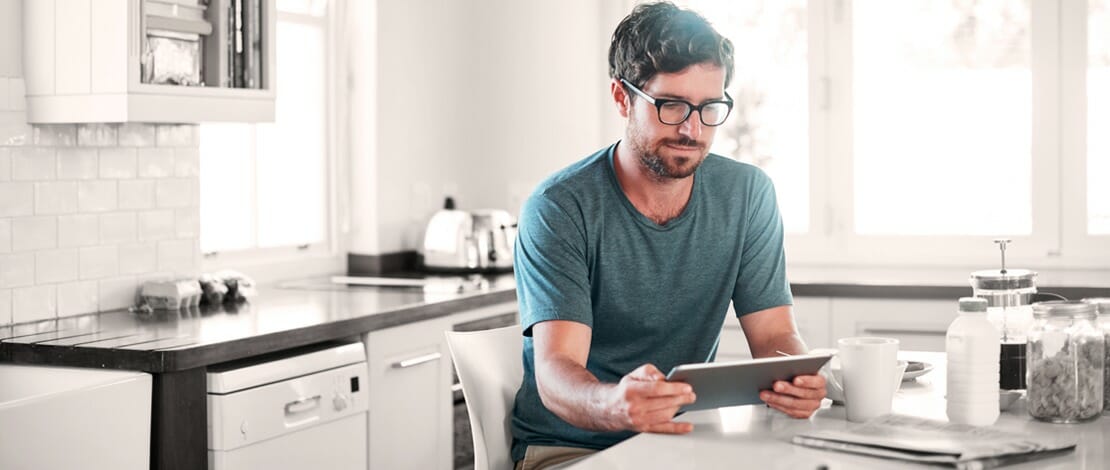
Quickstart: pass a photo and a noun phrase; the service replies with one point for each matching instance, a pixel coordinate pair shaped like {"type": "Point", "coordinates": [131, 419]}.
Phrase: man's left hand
{"type": "Point", "coordinates": [799, 398]}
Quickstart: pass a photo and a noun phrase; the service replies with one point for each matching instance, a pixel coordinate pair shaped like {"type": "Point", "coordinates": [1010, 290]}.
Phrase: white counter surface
{"type": "Point", "coordinates": [759, 437]}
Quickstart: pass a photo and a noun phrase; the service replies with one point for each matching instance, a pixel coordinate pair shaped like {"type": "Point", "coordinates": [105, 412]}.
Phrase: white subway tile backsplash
{"type": "Point", "coordinates": [78, 230]}
{"type": "Point", "coordinates": [118, 227]}
{"type": "Point", "coordinates": [117, 163]}
{"type": "Point", "coordinates": [34, 233]}
{"type": "Point", "coordinates": [33, 163]}
{"type": "Point", "coordinates": [97, 135]}
{"type": "Point", "coordinates": [5, 164]}
{"type": "Point", "coordinates": [176, 135]}
{"type": "Point", "coordinates": [56, 135]}
{"type": "Point", "coordinates": [77, 163]}
{"type": "Point", "coordinates": [17, 270]}
{"type": "Point", "coordinates": [156, 225]}
{"type": "Point", "coordinates": [97, 196]}
{"type": "Point", "coordinates": [99, 261]}
{"type": "Point", "coordinates": [117, 293]}
{"type": "Point", "coordinates": [17, 199]}
{"type": "Point", "coordinates": [138, 258]}
{"type": "Point", "coordinates": [156, 162]}
{"type": "Point", "coordinates": [188, 222]}
{"type": "Point", "coordinates": [187, 162]}
{"type": "Point", "coordinates": [5, 235]}
{"type": "Point", "coordinates": [17, 94]}
{"type": "Point", "coordinates": [75, 298]}
{"type": "Point", "coordinates": [136, 194]}
{"type": "Point", "coordinates": [15, 134]}
{"type": "Point", "coordinates": [56, 265]}
{"type": "Point", "coordinates": [177, 256]}
{"type": "Point", "coordinates": [5, 306]}
{"type": "Point", "coordinates": [133, 134]}
{"type": "Point", "coordinates": [34, 303]}
{"type": "Point", "coordinates": [56, 197]}
{"type": "Point", "coordinates": [174, 192]}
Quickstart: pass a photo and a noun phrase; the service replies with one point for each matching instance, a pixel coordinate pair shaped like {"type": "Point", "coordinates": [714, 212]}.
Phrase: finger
{"type": "Point", "coordinates": [786, 388]}
{"type": "Point", "coordinates": [671, 402]}
{"type": "Point", "coordinates": [670, 428]}
{"type": "Point", "coordinates": [647, 372]}
{"type": "Point", "coordinates": [791, 412]}
{"type": "Point", "coordinates": [810, 381]}
{"type": "Point", "coordinates": [786, 402]}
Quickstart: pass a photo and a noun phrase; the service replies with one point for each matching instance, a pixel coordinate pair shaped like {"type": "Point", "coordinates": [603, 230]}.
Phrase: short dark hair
{"type": "Point", "coordinates": [662, 38]}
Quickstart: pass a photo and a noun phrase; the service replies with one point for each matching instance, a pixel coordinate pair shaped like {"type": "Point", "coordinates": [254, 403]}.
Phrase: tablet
{"type": "Point", "coordinates": [736, 383]}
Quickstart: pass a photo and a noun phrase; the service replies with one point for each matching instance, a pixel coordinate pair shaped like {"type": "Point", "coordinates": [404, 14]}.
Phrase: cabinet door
{"type": "Point", "coordinates": [410, 397]}
{"type": "Point", "coordinates": [919, 325]}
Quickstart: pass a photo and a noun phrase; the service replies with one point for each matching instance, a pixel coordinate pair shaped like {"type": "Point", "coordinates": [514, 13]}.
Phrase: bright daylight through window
{"type": "Point", "coordinates": [769, 124]}
{"type": "Point", "coordinates": [265, 185]}
{"type": "Point", "coordinates": [1098, 117]}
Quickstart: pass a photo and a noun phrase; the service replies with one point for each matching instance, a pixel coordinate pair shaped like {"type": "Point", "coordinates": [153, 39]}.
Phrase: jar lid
{"type": "Point", "coordinates": [997, 279]}
{"type": "Point", "coordinates": [1063, 308]}
{"type": "Point", "coordinates": [973, 304]}
{"type": "Point", "coordinates": [1102, 304]}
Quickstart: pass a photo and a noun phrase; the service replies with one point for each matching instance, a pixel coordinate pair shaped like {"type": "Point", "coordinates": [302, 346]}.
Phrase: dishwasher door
{"type": "Point", "coordinates": [316, 420]}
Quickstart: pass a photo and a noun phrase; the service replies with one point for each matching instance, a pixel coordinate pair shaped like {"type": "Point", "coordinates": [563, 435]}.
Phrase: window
{"type": "Point", "coordinates": [910, 133]}
{"type": "Point", "coordinates": [1098, 117]}
{"type": "Point", "coordinates": [266, 186]}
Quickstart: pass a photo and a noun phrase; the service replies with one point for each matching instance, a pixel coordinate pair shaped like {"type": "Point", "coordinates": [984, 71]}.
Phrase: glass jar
{"type": "Point", "coordinates": [1102, 306]}
{"type": "Point", "coordinates": [1066, 356]}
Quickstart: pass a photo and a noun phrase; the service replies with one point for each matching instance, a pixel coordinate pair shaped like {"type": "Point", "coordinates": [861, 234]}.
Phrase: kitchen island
{"type": "Point", "coordinates": [759, 437]}
{"type": "Point", "coordinates": [178, 346]}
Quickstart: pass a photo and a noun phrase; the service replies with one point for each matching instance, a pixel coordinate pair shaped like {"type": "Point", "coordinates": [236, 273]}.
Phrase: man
{"type": "Point", "coordinates": [626, 261]}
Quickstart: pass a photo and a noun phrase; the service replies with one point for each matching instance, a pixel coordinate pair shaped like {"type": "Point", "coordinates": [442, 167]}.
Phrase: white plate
{"type": "Point", "coordinates": [913, 374]}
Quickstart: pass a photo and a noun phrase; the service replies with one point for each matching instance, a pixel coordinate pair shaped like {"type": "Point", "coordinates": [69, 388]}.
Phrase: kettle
{"type": "Point", "coordinates": [459, 241]}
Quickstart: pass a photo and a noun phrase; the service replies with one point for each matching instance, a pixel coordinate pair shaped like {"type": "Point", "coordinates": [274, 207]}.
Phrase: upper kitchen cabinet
{"type": "Point", "coordinates": [171, 61]}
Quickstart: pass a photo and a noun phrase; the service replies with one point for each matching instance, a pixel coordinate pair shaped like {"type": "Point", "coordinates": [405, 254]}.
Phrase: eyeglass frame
{"type": "Point", "coordinates": [690, 107]}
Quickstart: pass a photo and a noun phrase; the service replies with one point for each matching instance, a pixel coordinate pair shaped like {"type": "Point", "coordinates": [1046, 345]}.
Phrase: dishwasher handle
{"type": "Point", "coordinates": [415, 361]}
{"type": "Point", "coordinates": [302, 404]}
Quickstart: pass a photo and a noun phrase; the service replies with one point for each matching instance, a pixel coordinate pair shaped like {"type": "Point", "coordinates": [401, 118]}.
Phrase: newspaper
{"type": "Point", "coordinates": [936, 442]}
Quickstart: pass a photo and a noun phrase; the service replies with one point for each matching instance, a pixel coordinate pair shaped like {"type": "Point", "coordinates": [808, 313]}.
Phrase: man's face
{"type": "Point", "coordinates": [674, 151]}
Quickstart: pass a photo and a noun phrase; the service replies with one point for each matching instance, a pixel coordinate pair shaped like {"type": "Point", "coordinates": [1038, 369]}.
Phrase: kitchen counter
{"type": "Point", "coordinates": [759, 437]}
{"type": "Point", "coordinates": [283, 317]}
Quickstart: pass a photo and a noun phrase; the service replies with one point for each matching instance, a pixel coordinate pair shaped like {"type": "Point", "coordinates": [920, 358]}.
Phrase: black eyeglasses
{"type": "Point", "coordinates": [675, 112]}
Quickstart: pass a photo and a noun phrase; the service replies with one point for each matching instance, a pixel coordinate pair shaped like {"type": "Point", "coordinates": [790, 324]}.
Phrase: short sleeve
{"type": "Point", "coordinates": [550, 265]}
{"type": "Point", "coordinates": [761, 282]}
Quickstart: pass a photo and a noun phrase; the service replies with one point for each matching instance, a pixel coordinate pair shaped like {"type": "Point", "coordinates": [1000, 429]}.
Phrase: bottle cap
{"type": "Point", "coordinates": [973, 304]}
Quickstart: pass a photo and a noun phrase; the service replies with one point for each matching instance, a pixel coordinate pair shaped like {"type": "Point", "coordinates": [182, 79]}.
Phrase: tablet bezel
{"type": "Point", "coordinates": [735, 383]}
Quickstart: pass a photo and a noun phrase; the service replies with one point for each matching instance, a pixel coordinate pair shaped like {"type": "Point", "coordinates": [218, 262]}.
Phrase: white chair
{"type": "Point", "coordinates": [490, 371]}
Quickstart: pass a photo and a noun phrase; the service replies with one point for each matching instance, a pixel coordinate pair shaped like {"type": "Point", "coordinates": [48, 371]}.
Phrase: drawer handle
{"type": "Point", "coordinates": [415, 361]}
{"type": "Point", "coordinates": [302, 405]}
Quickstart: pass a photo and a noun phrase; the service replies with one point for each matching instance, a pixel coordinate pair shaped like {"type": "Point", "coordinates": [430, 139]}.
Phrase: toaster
{"type": "Point", "coordinates": [461, 241]}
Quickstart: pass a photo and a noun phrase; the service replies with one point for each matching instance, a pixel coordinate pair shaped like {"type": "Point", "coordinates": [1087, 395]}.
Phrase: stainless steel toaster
{"type": "Point", "coordinates": [463, 241]}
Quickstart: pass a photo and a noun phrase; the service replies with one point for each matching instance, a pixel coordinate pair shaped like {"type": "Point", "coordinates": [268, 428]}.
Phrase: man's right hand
{"type": "Point", "coordinates": [644, 401]}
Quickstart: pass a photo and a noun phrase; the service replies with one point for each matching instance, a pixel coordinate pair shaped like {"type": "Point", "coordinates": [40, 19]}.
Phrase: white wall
{"type": "Point", "coordinates": [480, 100]}
{"type": "Point", "coordinates": [87, 212]}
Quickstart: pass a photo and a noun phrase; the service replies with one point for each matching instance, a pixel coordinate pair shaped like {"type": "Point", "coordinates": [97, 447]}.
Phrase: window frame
{"type": "Point", "coordinates": [324, 257]}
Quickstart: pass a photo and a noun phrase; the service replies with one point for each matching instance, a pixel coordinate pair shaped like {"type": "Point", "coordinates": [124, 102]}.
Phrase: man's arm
{"type": "Point", "coordinates": [772, 330]}
{"type": "Point", "coordinates": [642, 401]}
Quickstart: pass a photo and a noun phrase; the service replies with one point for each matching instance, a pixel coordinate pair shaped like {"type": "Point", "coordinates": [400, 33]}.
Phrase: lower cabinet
{"type": "Point", "coordinates": [412, 418]}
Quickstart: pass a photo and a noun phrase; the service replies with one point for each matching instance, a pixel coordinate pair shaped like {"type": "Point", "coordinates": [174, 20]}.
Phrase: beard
{"type": "Point", "coordinates": [662, 166]}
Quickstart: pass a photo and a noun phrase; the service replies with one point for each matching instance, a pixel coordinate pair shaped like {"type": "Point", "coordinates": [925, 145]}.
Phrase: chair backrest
{"type": "Point", "coordinates": [490, 371]}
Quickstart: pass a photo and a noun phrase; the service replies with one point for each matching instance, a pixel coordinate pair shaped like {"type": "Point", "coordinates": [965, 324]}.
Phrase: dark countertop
{"type": "Point", "coordinates": [283, 317]}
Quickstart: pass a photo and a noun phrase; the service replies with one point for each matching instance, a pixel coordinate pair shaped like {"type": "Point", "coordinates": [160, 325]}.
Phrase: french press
{"type": "Point", "coordinates": [1009, 295]}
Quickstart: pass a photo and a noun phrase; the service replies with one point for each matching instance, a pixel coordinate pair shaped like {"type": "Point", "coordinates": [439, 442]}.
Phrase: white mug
{"type": "Point", "coordinates": [867, 364]}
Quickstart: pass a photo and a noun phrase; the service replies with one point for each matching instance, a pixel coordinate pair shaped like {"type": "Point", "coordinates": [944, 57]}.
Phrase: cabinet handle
{"type": "Point", "coordinates": [896, 331]}
{"type": "Point", "coordinates": [415, 361]}
{"type": "Point", "coordinates": [301, 405]}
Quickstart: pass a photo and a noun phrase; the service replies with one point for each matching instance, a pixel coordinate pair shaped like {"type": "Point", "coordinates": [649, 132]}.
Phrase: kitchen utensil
{"type": "Point", "coordinates": [1009, 293]}
{"type": "Point", "coordinates": [459, 241]}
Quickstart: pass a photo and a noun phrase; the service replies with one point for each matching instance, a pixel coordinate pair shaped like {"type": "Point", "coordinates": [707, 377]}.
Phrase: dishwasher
{"type": "Point", "coordinates": [300, 409]}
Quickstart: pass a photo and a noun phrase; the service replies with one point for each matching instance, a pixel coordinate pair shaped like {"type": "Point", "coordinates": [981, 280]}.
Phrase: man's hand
{"type": "Point", "coordinates": [644, 401]}
{"type": "Point", "coordinates": [798, 399]}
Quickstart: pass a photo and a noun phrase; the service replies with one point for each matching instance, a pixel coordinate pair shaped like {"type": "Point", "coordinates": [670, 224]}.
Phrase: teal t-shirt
{"type": "Point", "coordinates": [650, 293]}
